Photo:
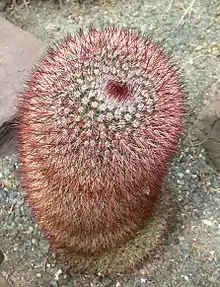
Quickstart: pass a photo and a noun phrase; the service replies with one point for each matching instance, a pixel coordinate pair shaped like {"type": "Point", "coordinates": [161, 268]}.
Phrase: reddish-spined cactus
{"type": "Point", "coordinates": [99, 122]}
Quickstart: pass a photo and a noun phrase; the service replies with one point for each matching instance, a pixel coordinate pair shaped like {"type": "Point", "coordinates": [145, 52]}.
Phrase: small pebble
{"type": "Point", "coordinates": [53, 283]}
{"type": "Point", "coordinates": [208, 222]}
{"type": "Point", "coordinates": [57, 274]}
{"type": "Point", "coordinates": [107, 282]}
{"type": "Point", "coordinates": [142, 271]}
{"type": "Point", "coordinates": [212, 279]}
{"type": "Point", "coordinates": [38, 275]}
{"type": "Point", "coordinates": [30, 230]}
{"type": "Point", "coordinates": [3, 194]}
{"type": "Point", "coordinates": [180, 175]}
{"type": "Point", "coordinates": [13, 233]}
{"type": "Point", "coordinates": [34, 241]}
{"type": "Point", "coordinates": [6, 184]}
{"type": "Point", "coordinates": [4, 273]}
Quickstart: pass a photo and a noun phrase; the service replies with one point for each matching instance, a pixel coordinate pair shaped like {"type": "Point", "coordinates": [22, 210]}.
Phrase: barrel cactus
{"type": "Point", "coordinates": [99, 122]}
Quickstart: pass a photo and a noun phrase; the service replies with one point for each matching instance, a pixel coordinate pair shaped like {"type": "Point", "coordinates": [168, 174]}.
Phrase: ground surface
{"type": "Point", "coordinates": [191, 30]}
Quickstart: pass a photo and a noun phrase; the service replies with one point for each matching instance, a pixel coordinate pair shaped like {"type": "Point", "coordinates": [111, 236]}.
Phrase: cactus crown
{"type": "Point", "coordinates": [110, 90]}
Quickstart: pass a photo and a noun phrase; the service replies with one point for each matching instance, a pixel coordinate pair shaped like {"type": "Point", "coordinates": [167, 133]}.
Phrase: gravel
{"type": "Point", "coordinates": [191, 30]}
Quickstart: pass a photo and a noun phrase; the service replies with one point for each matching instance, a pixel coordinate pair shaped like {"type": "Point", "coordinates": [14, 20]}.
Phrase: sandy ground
{"type": "Point", "coordinates": [191, 30]}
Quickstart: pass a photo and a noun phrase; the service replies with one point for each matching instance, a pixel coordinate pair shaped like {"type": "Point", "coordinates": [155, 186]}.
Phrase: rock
{"type": "Point", "coordinates": [4, 282]}
{"type": "Point", "coordinates": [18, 52]}
{"type": "Point", "coordinates": [207, 126]}
{"type": "Point", "coordinates": [7, 184]}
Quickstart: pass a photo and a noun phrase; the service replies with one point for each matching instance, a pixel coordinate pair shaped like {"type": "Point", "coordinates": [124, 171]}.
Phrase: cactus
{"type": "Point", "coordinates": [99, 123]}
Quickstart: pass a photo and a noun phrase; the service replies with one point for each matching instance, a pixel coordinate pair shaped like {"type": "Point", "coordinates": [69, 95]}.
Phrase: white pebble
{"type": "Point", "coordinates": [57, 274]}
{"type": "Point", "coordinates": [208, 222]}
{"type": "Point", "coordinates": [181, 175]}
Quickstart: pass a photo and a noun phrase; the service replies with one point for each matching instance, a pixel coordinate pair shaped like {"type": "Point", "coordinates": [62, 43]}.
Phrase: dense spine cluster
{"type": "Point", "coordinates": [99, 122]}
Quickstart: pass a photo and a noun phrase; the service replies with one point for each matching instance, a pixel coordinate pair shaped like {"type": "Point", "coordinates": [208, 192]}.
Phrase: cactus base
{"type": "Point", "coordinates": [143, 246]}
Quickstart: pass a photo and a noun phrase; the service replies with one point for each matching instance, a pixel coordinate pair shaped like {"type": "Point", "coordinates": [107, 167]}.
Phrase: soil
{"type": "Point", "coordinates": [191, 31]}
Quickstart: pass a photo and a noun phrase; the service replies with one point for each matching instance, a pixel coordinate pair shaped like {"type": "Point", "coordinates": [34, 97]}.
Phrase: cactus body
{"type": "Point", "coordinates": [100, 121]}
